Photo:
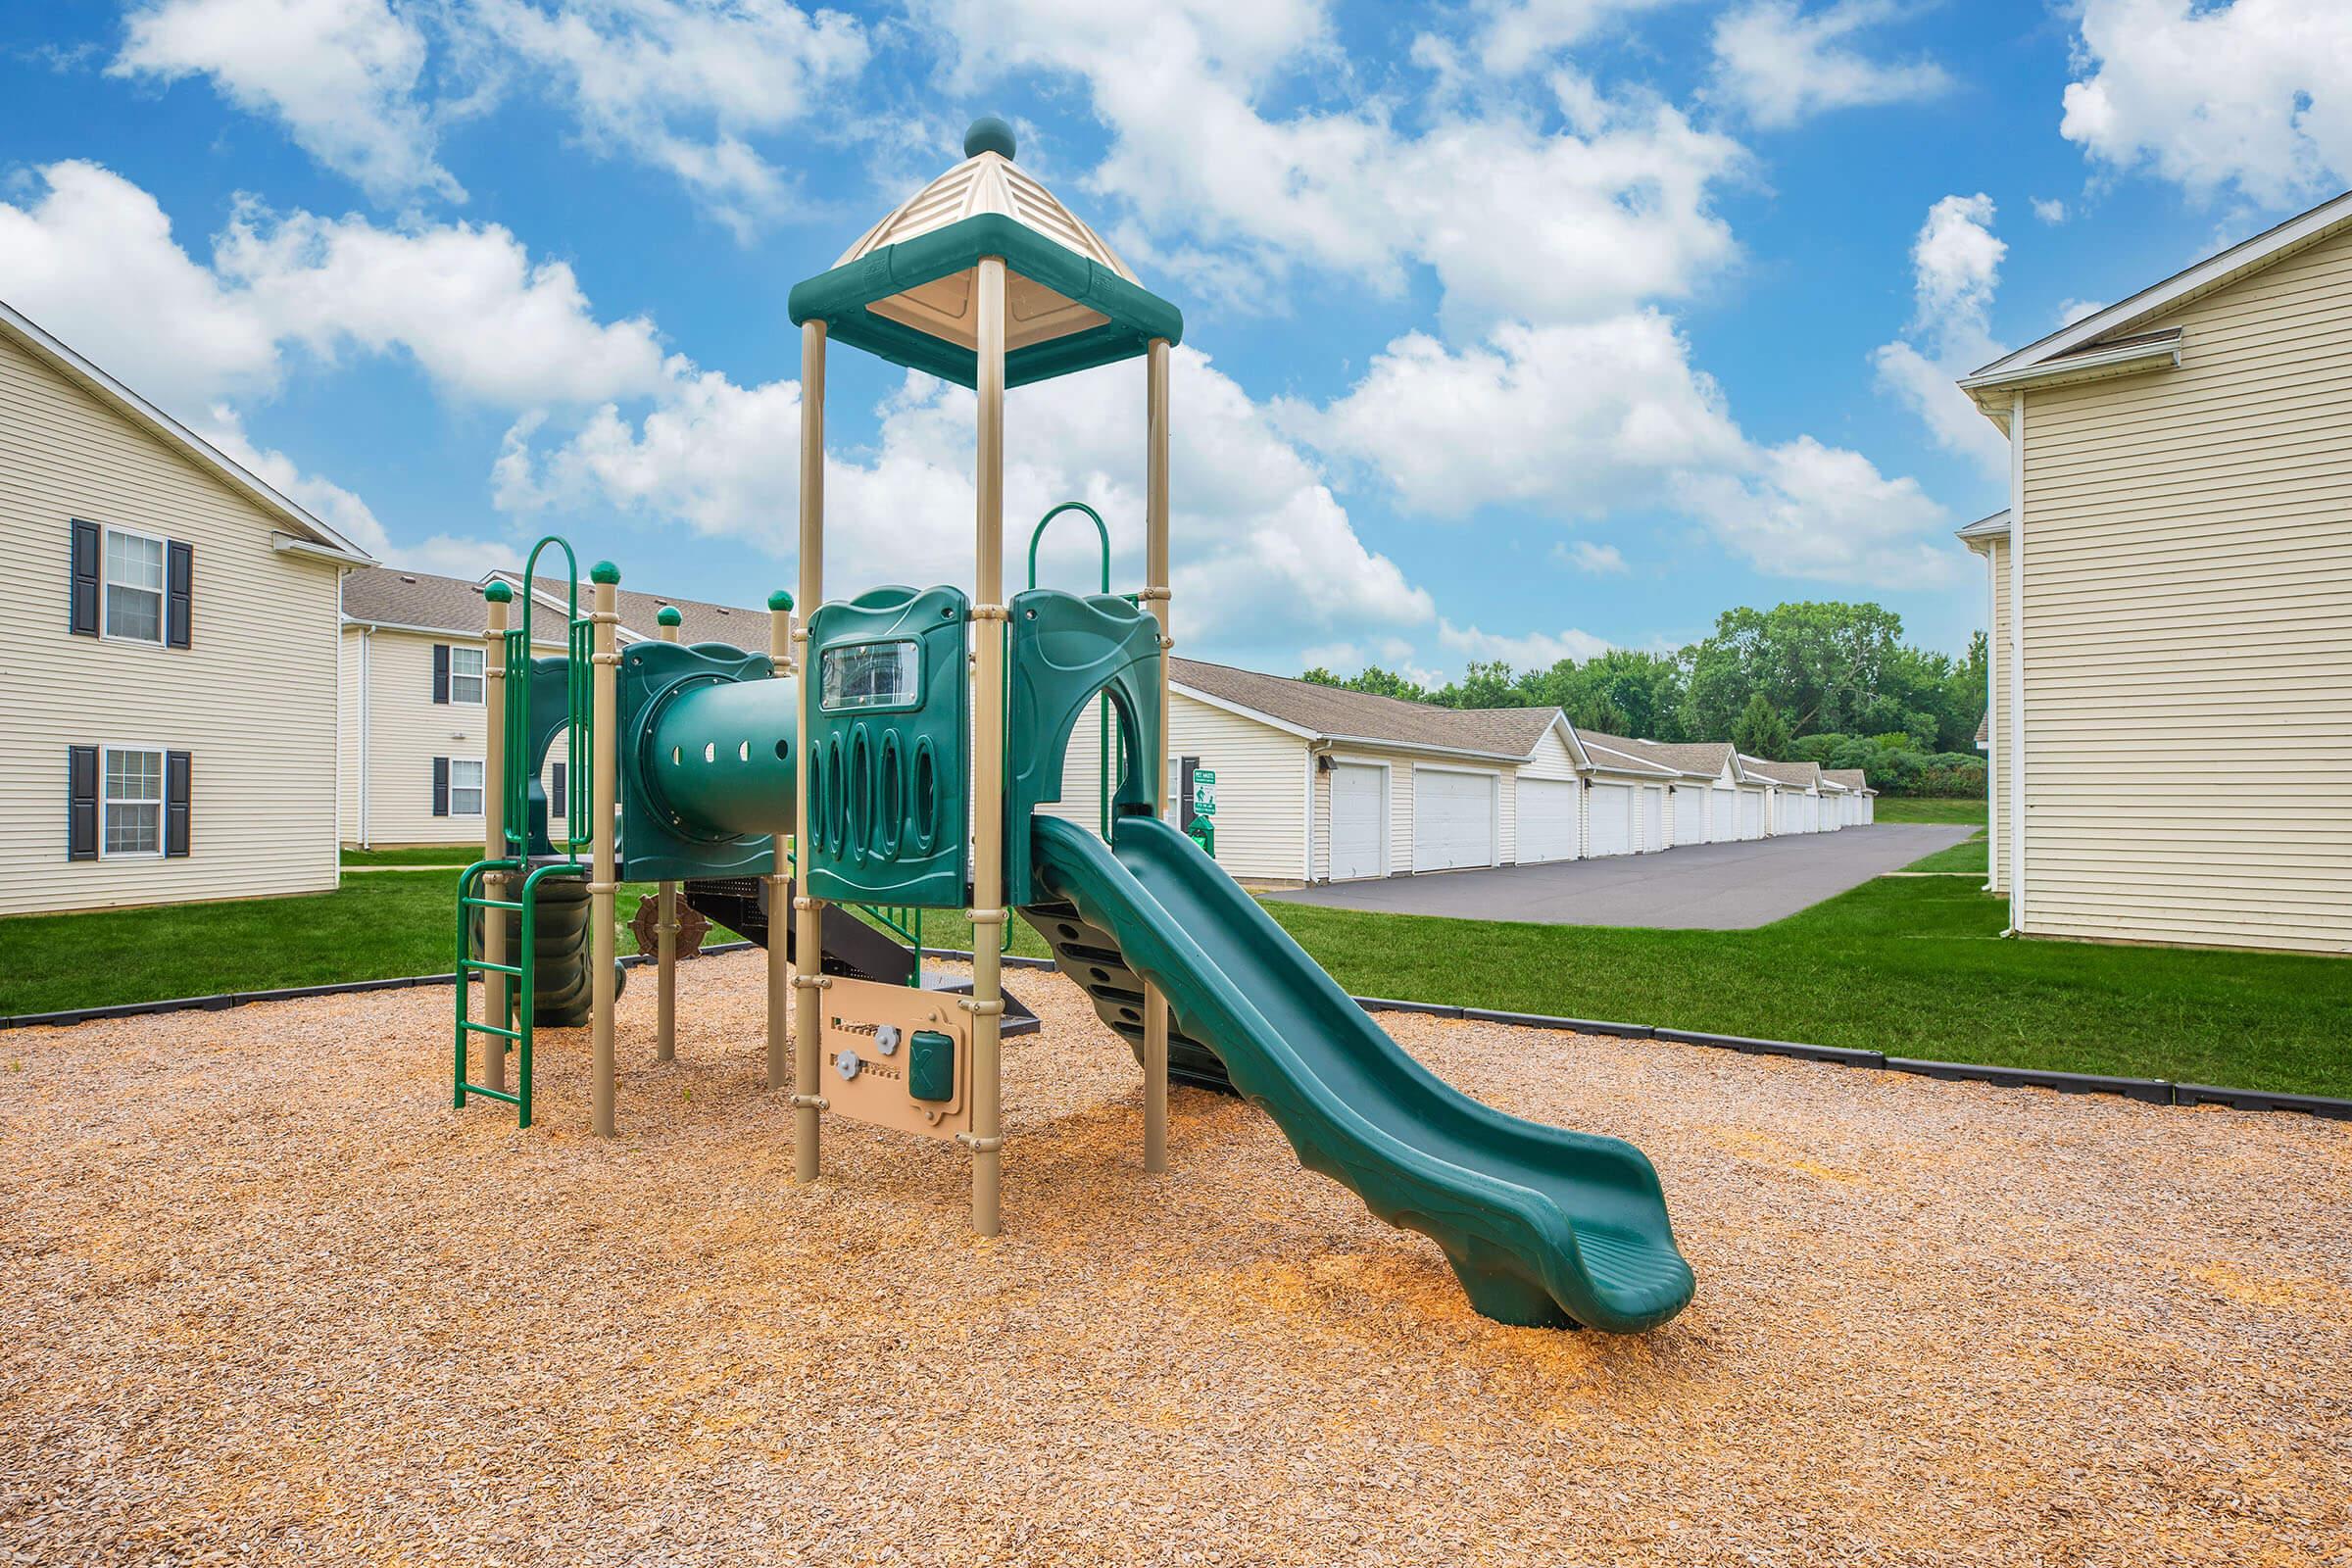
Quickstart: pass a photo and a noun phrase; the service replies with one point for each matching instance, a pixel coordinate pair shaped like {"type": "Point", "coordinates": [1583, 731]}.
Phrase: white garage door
{"type": "Point", "coordinates": [1612, 818]}
{"type": "Point", "coordinates": [1690, 816]}
{"type": "Point", "coordinates": [1751, 814]}
{"type": "Point", "coordinates": [1653, 816]}
{"type": "Point", "coordinates": [1548, 819]}
{"type": "Point", "coordinates": [1454, 819]}
{"type": "Point", "coordinates": [1359, 829]}
{"type": "Point", "coordinates": [1724, 824]}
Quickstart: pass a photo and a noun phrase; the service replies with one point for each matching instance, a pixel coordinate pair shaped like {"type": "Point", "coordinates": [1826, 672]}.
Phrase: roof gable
{"type": "Point", "coordinates": [319, 537]}
{"type": "Point", "coordinates": [2112, 327]}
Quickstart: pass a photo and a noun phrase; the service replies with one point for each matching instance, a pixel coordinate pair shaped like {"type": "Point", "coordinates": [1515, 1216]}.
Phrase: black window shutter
{"type": "Point", "coordinates": [81, 802]}
{"type": "Point", "coordinates": [177, 796]}
{"type": "Point", "coordinates": [555, 791]}
{"type": "Point", "coordinates": [440, 673]}
{"type": "Point", "coordinates": [441, 782]}
{"type": "Point", "coordinates": [81, 600]}
{"type": "Point", "coordinates": [180, 593]}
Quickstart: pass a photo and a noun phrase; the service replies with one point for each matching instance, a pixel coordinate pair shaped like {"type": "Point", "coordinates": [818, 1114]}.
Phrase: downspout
{"type": "Point", "coordinates": [1992, 687]}
{"type": "Point", "coordinates": [2017, 662]}
{"type": "Point", "coordinates": [366, 687]}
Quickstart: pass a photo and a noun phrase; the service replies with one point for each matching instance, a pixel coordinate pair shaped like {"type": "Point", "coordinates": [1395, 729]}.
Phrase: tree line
{"type": "Point", "coordinates": [1827, 683]}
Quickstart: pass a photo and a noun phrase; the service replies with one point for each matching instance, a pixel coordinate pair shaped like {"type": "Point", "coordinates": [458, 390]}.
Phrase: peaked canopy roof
{"type": "Point", "coordinates": [907, 290]}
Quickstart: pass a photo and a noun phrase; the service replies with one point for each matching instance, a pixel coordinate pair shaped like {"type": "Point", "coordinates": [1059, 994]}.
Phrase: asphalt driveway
{"type": "Point", "coordinates": [1703, 887]}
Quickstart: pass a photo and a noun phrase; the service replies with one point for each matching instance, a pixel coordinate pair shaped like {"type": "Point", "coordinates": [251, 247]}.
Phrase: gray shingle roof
{"type": "Point", "coordinates": [1622, 752]}
{"type": "Point", "coordinates": [1334, 710]}
{"type": "Point", "coordinates": [1853, 778]}
{"type": "Point", "coordinates": [392, 597]}
{"type": "Point", "coordinates": [1689, 756]}
{"type": "Point", "coordinates": [1801, 775]}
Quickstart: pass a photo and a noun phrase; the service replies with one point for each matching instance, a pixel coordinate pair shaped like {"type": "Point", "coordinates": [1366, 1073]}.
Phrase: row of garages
{"type": "Point", "coordinates": [1575, 797]}
{"type": "Point", "coordinates": [1314, 783]}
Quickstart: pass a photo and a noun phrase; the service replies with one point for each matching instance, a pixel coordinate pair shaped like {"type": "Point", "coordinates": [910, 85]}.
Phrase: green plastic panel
{"type": "Point", "coordinates": [890, 763]}
{"type": "Point", "coordinates": [840, 297]}
{"type": "Point", "coordinates": [1544, 1226]}
{"type": "Point", "coordinates": [1068, 649]}
{"type": "Point", "coordinates": [931, 1065]}
{"type": "Point", "coordinates": [705, 741]}
{"type": "Point", "coordinates": [547, 695]}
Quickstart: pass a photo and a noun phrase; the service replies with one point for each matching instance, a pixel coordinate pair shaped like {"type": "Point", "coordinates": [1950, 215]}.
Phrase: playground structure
{"type": "Point", "coordinates": [891, 750]}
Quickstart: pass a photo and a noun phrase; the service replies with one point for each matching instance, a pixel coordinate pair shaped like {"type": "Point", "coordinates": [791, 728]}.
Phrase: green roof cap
{"type": "Point", "coordinates": [989, 134]}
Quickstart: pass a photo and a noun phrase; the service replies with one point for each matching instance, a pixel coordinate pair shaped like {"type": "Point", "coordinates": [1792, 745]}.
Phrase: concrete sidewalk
{"type": "Point", "coordinates": [1702, 887]}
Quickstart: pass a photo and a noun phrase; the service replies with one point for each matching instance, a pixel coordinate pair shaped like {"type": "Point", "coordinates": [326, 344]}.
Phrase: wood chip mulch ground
{"type": "Point", "coordinates": [266, 1299]}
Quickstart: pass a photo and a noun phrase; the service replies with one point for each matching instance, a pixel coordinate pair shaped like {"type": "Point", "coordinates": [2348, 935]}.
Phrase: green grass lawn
{"type": "Point", "coordinates": [1913, 966]}
{"type": "Point", "coordinates": [1902, 808]}
{"type": "Point", "coordinates": [416, 855]}
{"type": "Point", "coordinates": [372, 928]}
{"type": "Point", "coordinates": [1908, 966]}
{"type": "Point", "coordinates": [1968, 856]}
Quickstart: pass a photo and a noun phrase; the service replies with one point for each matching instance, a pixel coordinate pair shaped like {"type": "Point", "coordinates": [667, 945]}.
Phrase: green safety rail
{"type": "Point", "coordinates": [580, 703]}
{"type": "Point", "coordinates": [578, 833]}
{"type": "Point", "coordinates": [520, 995]}
{"type": "Point", "coordinates": [1102, 533]}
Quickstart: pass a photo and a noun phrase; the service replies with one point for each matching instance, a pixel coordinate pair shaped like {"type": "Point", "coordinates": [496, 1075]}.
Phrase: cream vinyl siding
{"type": "Point", "coordinates": [406, 729]}
{"type": "Point", "coordinates": [1262, 787]}
{"type": "Point", "coordinates": [253, 699]}
{"type": "Point", "coordinates": [1996, 756]}
{"type": "Point", "coordinates": [2187, 544]}
{"type": "Point", "coordinates": [1400, 766]}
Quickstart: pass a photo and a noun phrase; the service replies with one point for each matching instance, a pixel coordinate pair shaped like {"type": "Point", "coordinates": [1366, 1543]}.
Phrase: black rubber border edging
{"type": "Point", "coordinates": [2146, 1091]}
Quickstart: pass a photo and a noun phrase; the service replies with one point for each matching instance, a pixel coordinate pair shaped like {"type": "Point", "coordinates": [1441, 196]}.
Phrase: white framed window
{"type": "Point", "coordinates": [133, 577]}
{"type": "Point", "coordinates": [465, 676]}
{"type": "Point", "coordinates": [465, 787]}
{"type": "Point", "coordinates": [131, 803]}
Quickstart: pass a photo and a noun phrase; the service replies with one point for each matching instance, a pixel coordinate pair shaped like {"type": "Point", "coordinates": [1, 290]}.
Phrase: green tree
{"type": "Point", "coordinates": [1760, 730]}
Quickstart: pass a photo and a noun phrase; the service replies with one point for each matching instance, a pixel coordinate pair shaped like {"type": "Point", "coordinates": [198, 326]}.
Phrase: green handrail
{"type": "Point", "coordinates": [522, 997]}
{"type": "Point", "coordinates": [1103, 752]}
{"type": "Point", "coordinates": [579, 702]}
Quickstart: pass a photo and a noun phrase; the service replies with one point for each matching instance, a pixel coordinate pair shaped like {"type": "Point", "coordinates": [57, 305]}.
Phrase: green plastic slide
{"type": "Point", "coordinates": [1544, 1227]}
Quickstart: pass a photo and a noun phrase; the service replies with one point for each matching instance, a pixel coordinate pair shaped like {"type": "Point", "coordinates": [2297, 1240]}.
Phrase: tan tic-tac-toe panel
{"type": "Point", "coordinates": [867, 1075]}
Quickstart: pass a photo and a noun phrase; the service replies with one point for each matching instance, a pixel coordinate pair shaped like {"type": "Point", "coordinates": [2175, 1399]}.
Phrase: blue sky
{"type": "Point", "coordinates": [1513, 329]}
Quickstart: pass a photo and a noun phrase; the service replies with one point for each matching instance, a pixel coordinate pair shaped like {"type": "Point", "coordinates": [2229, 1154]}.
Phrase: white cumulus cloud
{"type": "Point", "coordinates": [1956, 269]}
{"type": "Point", "coordinates": [2255, 95]}
{"type": "Point", "coordinates": [1781, 64]}
{"type": "Point", "coordinates": [342, 76]}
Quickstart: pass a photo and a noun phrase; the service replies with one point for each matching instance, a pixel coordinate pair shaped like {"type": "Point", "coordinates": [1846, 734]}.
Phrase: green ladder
{"type": "Point", "coordinates": [515, 791]}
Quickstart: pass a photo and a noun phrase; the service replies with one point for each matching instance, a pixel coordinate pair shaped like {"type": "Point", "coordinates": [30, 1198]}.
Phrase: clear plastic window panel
{"type": "Point", "coordinates": [872, 676]}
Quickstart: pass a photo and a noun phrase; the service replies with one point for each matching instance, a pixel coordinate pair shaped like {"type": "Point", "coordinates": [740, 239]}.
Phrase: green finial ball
{"type": "Point", "coordinates": [498, 593]}
{"type": "Point", "coordinates": [989, 134]}
{"type": "Point", "coordinates": [780, 599]}
{"type": "Point", "coordinates": [604, 571]}
{"type": "Point", "coordinates": [668, 615]}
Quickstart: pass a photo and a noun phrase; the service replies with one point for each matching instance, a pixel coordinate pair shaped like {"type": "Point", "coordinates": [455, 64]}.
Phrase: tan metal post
{"type": "Point", "coordinates": [665, 921]}
{"type": "Point", "coordinates": [808, 996]}
{"type": "Point", "coordinates": [495, 884]}
{"type": "Point", "coordinates": [603, 673]}
{"type": "Point", "coordinates": [986, 1138]}
{"type": "Point", "coordinates": [1156, 594]}
{"type": "Point", "coordinates": [780, 916]}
